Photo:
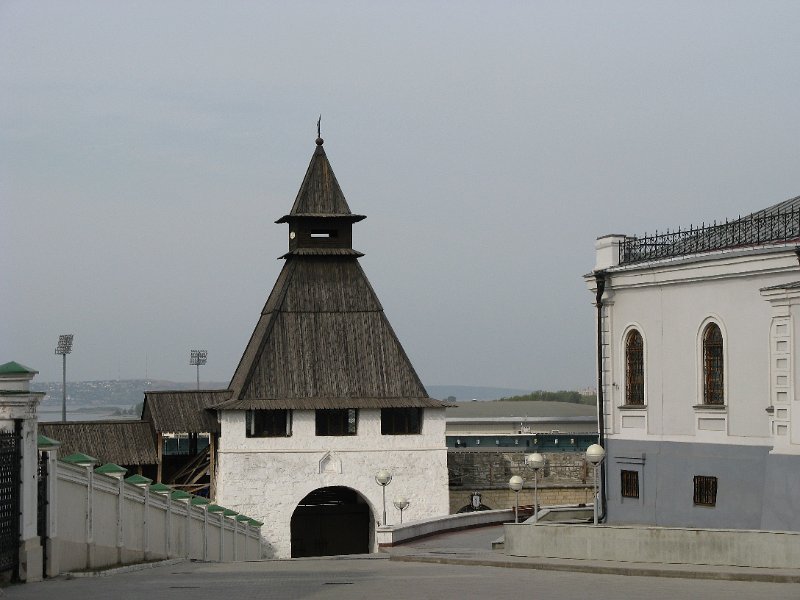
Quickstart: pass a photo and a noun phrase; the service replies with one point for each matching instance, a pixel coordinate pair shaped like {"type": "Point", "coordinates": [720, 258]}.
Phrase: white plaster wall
{"type": "Point", "coordinates": [669, 303]}
{"type": "Point", "coordinates": [266, 478]}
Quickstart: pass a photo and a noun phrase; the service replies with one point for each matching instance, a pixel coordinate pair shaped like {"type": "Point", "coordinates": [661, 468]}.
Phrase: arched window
{"type": "Point", "coordinates": [634, 369]}
{"type": "Point", "coordinates": [713, 366]}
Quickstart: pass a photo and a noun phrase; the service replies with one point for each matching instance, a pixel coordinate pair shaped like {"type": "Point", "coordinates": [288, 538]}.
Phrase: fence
{"type": "Point", "coordinates": [100, 520]}
{"type": "Point", "coordinates": [755, 229]}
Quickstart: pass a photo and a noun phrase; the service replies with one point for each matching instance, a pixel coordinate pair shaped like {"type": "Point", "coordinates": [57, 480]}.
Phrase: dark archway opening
{"type": "Point", "coordinates": [331, 521]}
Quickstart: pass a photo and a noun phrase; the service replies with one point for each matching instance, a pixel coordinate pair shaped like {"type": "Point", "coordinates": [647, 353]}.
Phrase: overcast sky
{"type": "Point", "coordinates": [147, 148]}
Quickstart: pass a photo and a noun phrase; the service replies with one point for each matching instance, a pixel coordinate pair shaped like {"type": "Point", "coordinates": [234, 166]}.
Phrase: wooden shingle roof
{"type": "Point", "coordinates": [323, 341]}
{"type": "Point", "coordinates": [320, 194]}
{"type": "Point", "coordinates": [183, 411]}
{"type": "Point", "coordinates": [124, 442]}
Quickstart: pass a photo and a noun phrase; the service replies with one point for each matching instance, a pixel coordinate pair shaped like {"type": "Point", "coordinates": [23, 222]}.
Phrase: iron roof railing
{"type": "Point", "coordinates": [753, 230]}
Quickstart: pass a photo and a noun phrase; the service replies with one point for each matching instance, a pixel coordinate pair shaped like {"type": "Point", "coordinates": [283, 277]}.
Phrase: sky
{"type": "Point", "coordinates": [146, 149]}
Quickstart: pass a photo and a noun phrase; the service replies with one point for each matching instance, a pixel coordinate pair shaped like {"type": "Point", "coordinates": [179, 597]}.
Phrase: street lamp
{"type": "Point", "coordinates": [401, 504]}
{"type": "Point", "coordinates": [516, 483]}
{"type": "Point", "coordinates": [197, 358]}
{"type": "Point", "coordinates": [595, 455]}
{"type": "Point", "coordinates": [535, 461]}
{"type": "Point", "coordinates": [63, 348]}
{"type": "Point", "coordinates": [383, 478]}
{"type": "Point", "coordinates": [475, 500]}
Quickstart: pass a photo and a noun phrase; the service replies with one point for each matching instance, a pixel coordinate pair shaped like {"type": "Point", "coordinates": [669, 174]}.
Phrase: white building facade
{"type": "Point", "coordinates": [697, 344]}
{"type": "Point", "coordinates": [269, 477]}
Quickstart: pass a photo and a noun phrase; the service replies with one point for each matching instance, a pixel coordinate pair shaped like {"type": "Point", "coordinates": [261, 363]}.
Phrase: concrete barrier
{"type": "Point", "coordinates": [669, 545]}
{"type": "Point", "coordinates": [393, 535]}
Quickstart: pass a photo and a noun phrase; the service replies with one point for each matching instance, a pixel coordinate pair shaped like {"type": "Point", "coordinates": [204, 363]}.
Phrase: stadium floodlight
{"type": "Point", "coordinates": [197, 358]}
{"type": "Point", "coordinates": [64, 347]}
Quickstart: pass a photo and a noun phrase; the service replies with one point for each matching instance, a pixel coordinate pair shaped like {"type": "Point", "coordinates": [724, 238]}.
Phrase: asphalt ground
{"type": "Point", "coordinates": [378, 576]}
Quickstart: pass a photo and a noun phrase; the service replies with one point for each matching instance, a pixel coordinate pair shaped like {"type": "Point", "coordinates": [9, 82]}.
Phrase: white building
{"type": "Point", "coordinates": [697, 342]}
{"type": "Point", "coordinates": [324, 397]}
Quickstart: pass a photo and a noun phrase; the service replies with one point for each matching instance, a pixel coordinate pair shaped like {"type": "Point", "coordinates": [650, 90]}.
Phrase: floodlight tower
{"type": "Point", "coordinates": [63, 348]}
{"type": "Point", "coordinates": [197, 358]}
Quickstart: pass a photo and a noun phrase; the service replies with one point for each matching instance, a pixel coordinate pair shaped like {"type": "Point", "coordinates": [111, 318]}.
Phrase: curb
{"type": "Point", "coordinates": [125, 569]}
{"type": "Point", "coordinates": [616, 569]}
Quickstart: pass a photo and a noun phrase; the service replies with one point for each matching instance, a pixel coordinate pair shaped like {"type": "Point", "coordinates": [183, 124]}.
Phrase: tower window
{"type": "Point", "coordinates": [269, 423]}
{"type": "Point", "coordinates": [324, 233]}
{"type": "Point", "coordinates": [401, 421]}
{"type": "Point", "coordinates": [338, 421]}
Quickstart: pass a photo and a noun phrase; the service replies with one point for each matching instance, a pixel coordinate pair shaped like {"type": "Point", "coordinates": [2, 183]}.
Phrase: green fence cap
{"type": "Point", "coordinates": [80, 459]}
{"type": "Point", "coordinates": [45, 443]}
{"type": "Point", "coordinates": [138, 480]}
{"type": "Point", "coordinates": [111, 469]}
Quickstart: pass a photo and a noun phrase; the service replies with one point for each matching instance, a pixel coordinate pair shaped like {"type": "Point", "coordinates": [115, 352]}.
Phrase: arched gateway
{"type": "Point", "coordinates": [331, 521]}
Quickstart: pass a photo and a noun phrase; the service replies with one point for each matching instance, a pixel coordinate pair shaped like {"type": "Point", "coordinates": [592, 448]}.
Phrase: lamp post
{"type": "Point", "coordinates": [383, 478]}
{"type": "Point", "coordinates": [516, 483]}
{"type": "Point", "coordinates": [401, 504]}
{"type": "Point", "coordinates": [198, 358]}
{"type": "Point", "coordinates": [475, 500]}
{"type": "Point", "coordinates": [595, 455]}
{"type": "Point", "coordinates": [63, 348]}
{"type": "Point", "coordinates": [535, 461]}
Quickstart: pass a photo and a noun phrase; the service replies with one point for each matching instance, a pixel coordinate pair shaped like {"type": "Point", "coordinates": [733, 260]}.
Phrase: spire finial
{"type": "Point", "coordinates": [320, 141]}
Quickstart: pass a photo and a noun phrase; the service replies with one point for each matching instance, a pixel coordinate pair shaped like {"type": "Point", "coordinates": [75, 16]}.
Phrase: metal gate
{"type": "Point", "coordinates": [42, 509]}
{"type": "Point", "coordinates": [10, 464]}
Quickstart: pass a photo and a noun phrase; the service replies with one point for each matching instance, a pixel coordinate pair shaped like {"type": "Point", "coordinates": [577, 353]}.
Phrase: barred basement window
{"type": "Point", "coordinates": [634, 369]}
{"type": "Point", "coordinates": [713, 366]}
{"type": "Point", "coordinates": [630, 484]}
{"type": "Point", "coordinates": [337, 421]}
{"type": "Point", "coordinates": [268, 423]}
{"type": "Point", "coordinates": [705, 490]}
{"type": "Point", "coordinates": [401, 421]}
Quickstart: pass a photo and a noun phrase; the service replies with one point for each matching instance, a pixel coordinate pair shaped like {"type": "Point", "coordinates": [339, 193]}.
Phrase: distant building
{"type": "Point", "coordinates": [697, 347]}
{"type": "Point", "coordinates": [514, 417]}
{"type": "Point", "coordinates": [324, 397]}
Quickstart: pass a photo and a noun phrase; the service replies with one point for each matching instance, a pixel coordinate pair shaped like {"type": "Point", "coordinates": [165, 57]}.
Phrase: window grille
{"type": "Point", "coordinates": [336, 421]}
{"type": "Point", "coordinates": [634, 369]}
{"type": "Point", "coordinates": [713, 367]}
{"type": "Point", "coordinates": [630, 484]}
{"type": "Point", "coordinates": [401, 421]}
{"type": "Point", "coordinates": [705, 490]}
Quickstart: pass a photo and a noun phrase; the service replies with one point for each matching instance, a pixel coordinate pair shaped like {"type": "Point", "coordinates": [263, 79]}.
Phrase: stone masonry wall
{"type": "Point", "coordinates": [565, 479]}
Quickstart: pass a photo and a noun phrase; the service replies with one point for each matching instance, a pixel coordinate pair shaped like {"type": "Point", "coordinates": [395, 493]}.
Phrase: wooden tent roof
{"type": "Point", "coordinates": [323, 340]}
{"type": "Point", "coordinates": [320, 194]}
{"type": "Point", "coordinates": [121, 442]}
{"type": "Point", "coordinates": [184, 411]}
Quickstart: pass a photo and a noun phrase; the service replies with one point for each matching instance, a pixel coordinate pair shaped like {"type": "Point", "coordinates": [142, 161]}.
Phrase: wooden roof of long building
{"type": "Point", "coordinates": [183, 411]}
{"type": "Point", "coordinates": [123, 442]}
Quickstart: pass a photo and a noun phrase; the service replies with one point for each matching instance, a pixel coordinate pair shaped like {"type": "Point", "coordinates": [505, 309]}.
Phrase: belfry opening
{"type": "Point", "coordinates": [331, 521]}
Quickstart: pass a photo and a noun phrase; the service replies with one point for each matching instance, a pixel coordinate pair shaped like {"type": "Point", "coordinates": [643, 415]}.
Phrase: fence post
{"type": "Point", "coordinates": [146, 523]}
{"type": "Point", "coordinates": [221, 537]}
{"type": "Point", "coordinates": [52, 567]}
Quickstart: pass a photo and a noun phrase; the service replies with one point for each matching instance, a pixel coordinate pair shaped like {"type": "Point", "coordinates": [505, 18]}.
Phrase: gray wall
{"type": "Point", "coordinates": [753, 491]}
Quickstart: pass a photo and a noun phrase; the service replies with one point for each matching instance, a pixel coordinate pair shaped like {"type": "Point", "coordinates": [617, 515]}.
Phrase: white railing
{"type": "Point", "coordinates": [98, 520]}
{"type": "Point", "coordinates": [392, 535]}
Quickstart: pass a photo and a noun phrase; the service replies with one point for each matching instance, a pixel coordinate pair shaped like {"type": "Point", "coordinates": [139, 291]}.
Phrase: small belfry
{"type": "Point", "coordinates": [324, 396]}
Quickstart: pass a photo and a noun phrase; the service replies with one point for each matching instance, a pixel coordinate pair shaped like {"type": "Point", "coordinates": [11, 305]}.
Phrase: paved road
{"type": "Point", "coordinates": [375, 577]}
